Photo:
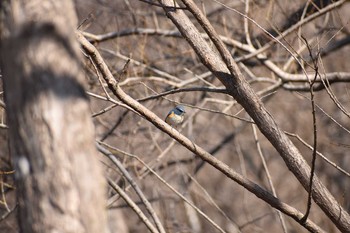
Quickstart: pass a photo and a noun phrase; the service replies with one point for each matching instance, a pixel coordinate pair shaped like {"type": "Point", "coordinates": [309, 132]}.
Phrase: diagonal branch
{"type": "Point", "coordinates": [137, 189]}
{"type": "Point", "coordinates": [204, 155]}
{"type": "Point", "coordinates": [232, 78]}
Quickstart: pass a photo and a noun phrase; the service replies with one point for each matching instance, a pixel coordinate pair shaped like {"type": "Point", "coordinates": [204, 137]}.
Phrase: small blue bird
{"type": "Point", "coordinates": [176, 116]}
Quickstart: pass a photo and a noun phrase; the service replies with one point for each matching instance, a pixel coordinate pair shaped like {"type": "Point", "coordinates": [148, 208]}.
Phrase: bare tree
{"type": "Point", "coordinates": [60, 187]}
{"type": "Point", "coordinates": [264, 143]}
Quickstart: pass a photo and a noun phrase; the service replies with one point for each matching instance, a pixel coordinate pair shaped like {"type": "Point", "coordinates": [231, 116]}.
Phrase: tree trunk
{"type": "Point", "coordinates": [60, 187]}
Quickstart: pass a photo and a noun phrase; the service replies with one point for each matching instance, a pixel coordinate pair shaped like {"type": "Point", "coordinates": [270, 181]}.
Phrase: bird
{"type": "Point", "coordinates": [176, 116]}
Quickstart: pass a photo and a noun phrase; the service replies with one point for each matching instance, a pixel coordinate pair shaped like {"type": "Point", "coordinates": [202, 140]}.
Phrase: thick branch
{"type": "Point", "coordinates": [204, 155]}
{"type": "Point", "coordinates": [230, 75]}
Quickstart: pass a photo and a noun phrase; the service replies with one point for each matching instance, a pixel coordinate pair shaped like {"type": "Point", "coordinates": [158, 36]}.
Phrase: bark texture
{"type": "Point", "coordinates": [60, 186]}
{"type": "Point", "coordinates": [228, 73]}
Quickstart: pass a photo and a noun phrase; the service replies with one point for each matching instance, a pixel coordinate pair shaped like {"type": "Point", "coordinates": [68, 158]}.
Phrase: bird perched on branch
{"type": "Point", "coordinates": [176, 116]}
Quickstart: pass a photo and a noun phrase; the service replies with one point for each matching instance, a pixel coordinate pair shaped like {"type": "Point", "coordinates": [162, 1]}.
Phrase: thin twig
{"type": "Point", "coordinates": [133, 184]}
{"type": "Point", "coordinates": [132, 205]}
{"type": "Point", "coordinates": [314, 152]}
{"type": "Point", "coordinates": [267, 172]}
{"type": "Point", "coordinates": [4, 216]}
{"type": "Point", "coordinates": [333, 164]}
{"type": "Point", "coordinates": [243, 93]}
{"type": "Point", "coordinates": [212, 201]}
{"type": "Point", "coordinates": [290, 30]}
{"type": "Point", "coordinates": [159, 123]}
{"type": "Point", "coordinates": [171, 188]}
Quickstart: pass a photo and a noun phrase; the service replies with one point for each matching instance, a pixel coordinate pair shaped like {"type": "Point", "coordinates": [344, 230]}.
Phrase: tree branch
{"type": "Point", "coordinates": [159, 123]}
{"type": "Point", "coordinates": [229, 74]}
